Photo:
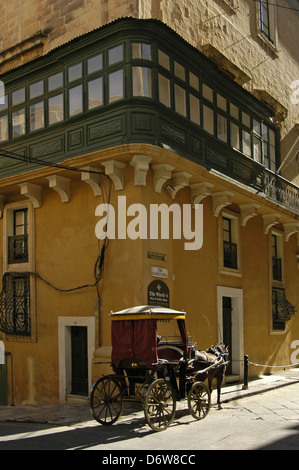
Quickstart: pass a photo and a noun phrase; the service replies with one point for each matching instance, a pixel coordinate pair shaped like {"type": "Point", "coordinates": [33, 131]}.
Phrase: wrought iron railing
{"type": "Point", "coordinates": [18, 249]}
{"type": "Point", "coordinates": [251, 173]}
{"type": "Point", "coordinates": [281, 190]}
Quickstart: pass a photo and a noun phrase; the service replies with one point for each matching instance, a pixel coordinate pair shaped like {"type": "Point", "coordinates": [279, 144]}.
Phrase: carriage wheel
{"type": "Point", "coordinates": [106, 400]}
{"type": "Point", "coordinates": [159, 405]}
{"type": "Point", "coordinates": [199, 400]}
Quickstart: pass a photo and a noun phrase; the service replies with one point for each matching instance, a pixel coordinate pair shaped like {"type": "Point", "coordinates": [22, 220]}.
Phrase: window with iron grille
{"type": "Point", "coordinates": [15, 305]}
{"type": "Point", "coordinates": [282, 309]}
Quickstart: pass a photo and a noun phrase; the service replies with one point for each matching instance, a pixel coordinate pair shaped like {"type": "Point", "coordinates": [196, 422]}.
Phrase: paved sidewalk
{"type": "Point", "coordinates": [79, 412]}
{"type": "Point", "coordinates": [260, 384]}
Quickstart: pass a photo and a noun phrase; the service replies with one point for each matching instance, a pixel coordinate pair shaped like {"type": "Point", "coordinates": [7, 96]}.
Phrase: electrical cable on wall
{"type": "Point", "coordinates": [39, 161]}
{"type": "Point", "coordinates": [98, 272]}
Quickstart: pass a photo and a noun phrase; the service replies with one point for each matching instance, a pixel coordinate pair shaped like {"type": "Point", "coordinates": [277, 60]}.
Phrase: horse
{"type": "Point", "coordinates": [210, 364]}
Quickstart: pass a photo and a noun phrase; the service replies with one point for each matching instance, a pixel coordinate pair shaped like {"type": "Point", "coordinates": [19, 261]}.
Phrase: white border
{"type": "Point", "coordinates": [237, 326]}
{"type": "Point", "coordinates": [64, 351]}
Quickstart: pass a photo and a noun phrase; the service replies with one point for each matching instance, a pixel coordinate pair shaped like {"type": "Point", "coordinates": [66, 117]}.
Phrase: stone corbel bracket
{"type": "Point", "coordinates": [179, 181]}
{"type": "Point", "coordinates": [221, 199]}
{"type": "Point", "coordinates": [247, 212]}
{"type": "Point", "coordinates": [289, 229]}
{"type": "Point", "coordinates": [269, 220]}
{"type": "Point", "coordinates": [162, 173]}
{"type": "Point", "coordinates": [199, 191]}
{"type": "Point", "coordinates": [140, 163]}
{"type": "Point", "coordinates": [22, 48]}
{"type": "Point", "coordinates": [61, 185]}
{"type": "Point", "coordinates": [115, 170]}
{"type": "Point", "coordinates": [33, 192]}
{"type": "Point", "coordinates": [90, 176]}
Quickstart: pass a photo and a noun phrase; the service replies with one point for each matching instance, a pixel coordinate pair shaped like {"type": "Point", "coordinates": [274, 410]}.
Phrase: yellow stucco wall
{"type": "Point", "coordinates": [66, 249]}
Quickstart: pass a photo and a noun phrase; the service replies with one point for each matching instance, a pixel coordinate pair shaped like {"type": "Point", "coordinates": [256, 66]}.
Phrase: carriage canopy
{"type": "Point", "coordinates": [134, 333]}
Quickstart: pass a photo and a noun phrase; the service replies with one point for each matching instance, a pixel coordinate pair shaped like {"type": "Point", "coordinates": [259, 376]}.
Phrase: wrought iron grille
{"type": "Point", "coordinates": [281, 190]}
{"type": "Point", "coordinates": [15, 304]}
{"type": "Point", "coordinates": [18, 249]}
{"type": "Point", "coordinates": [282, 309]}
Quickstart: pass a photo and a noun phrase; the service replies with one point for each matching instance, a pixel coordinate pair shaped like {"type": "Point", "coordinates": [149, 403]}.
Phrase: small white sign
{"type": "Point", "coordinates": [159, 272]}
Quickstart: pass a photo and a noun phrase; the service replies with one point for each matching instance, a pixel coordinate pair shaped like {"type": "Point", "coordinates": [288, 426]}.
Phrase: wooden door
{"type": "Point", "coordinates": [79, 360]}
{"type": "Point", "coordinates": [227, 328]}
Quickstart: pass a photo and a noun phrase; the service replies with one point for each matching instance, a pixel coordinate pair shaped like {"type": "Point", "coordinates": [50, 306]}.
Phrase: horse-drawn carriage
{"type": "Point", "coordinates": [150, 369]}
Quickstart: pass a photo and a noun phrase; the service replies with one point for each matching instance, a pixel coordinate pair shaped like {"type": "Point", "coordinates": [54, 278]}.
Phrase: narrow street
{"type": "Point", "coordinates": [268, 421]}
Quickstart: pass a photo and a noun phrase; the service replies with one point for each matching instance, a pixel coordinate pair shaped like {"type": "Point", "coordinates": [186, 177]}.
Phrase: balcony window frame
{"type": "Point", "coordinates": [190, 94]}
{"type": "Point", "coordinates": [222, 127]}
{"type": "Point", "coordinates": [141, 70]}
{"type": "Point", "coordinates": [230, 248]}
{"type": "Point", "coordinates": [17, 244]}
{"type": "Point", "coordinates": [145, 50]}
{"type": "Point", "coordinates": [9, 232]}
{"type": "Point", "coordinates": [142, 86]}
{"type": "Point", "coordinates": [4, 116]}
{"type": "Point", "coordinates": [229, 239]}
{"type": "Point", "coordinates": [277, 258]}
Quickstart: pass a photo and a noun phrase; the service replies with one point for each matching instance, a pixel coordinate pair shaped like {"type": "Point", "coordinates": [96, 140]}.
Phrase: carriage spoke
{"type": "Point", "coordinates": [106, 400]}
{"type": "Point", "coordinates": [199, 400]}
{"type": "Point", "coordinates": [160, 405]}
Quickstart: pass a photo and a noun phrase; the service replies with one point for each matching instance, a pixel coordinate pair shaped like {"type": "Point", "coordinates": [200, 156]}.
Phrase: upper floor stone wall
{"type": "Point", "coordinates": [59, 20]}
{"type": "Point", "coordinates": [228, 32]}
{"type": "Point", "coordinates": [225, 30]}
